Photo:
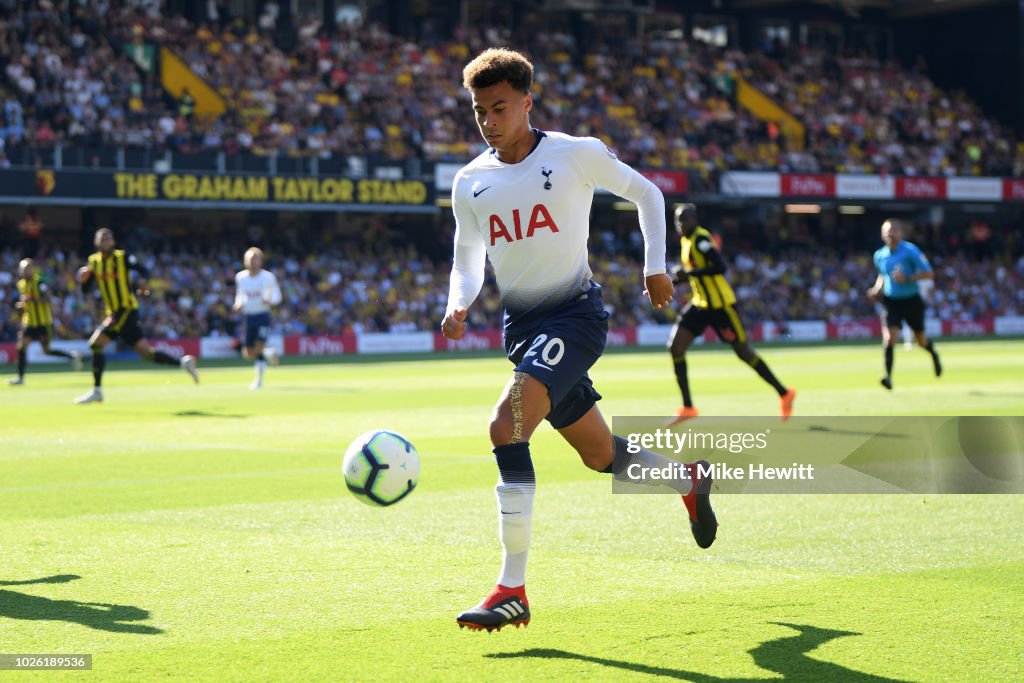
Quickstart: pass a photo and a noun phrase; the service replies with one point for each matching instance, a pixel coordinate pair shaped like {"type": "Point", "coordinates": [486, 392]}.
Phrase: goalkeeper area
{"type": "Point", "coordinates": [205, 532]}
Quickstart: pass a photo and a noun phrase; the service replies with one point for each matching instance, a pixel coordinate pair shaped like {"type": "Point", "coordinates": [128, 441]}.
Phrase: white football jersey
{"type": "Point", "coordinates": [533, 217]}
{"type": "Point", "coordinates": [256, 293]}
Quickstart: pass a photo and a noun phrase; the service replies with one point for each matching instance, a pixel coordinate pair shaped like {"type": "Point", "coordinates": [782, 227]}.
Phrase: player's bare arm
{"type": "Point", "coordinates": [876, 289]}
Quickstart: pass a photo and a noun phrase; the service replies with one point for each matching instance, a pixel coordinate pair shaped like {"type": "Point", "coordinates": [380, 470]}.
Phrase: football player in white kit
{"type": "Point", "coordinates": [256, 290]}
{"type": "Point", "coordinates": [525, 204]}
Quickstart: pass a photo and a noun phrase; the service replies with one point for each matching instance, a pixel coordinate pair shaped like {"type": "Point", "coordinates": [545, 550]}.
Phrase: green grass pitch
{"type": "Point", "coordinates": [205, 533]}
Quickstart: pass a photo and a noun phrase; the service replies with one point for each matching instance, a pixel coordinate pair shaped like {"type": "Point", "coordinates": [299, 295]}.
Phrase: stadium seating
{"type": "Point", "coordinates": [89, 82]}
{"type": "Point", "coordinates": [330, 290]}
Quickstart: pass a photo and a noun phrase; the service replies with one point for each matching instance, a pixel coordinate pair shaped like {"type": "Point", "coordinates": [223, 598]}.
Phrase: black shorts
{"type": "Point", "coordinates": [123, 325]}
{"type": "Point", "coordinates": [42, 333]}
{"type": "Point", "coordinates": [725, 321]}
{"type": "Point", "coordinates": [910, 309]}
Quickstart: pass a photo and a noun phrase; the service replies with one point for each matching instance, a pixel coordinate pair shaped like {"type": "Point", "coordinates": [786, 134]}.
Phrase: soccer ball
{"type": "Point", "coordinates": [381, 467]}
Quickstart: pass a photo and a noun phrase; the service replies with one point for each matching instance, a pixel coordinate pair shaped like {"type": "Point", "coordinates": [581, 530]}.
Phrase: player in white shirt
{"type": "Point", "coordinates": [525, 204]}
{"type": "Point", "coordinates": [256, 290]}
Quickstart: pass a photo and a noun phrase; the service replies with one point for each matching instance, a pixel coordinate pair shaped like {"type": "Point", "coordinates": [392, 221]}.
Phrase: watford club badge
{"type": "Point", "coordinates": [46, 182]}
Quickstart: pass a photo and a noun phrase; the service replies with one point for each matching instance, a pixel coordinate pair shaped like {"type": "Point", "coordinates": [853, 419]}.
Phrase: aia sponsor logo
{"type": "Point", "coordinates": [921, 188]}
{"type": "Point", "coordinates": [540, 219]}
{"type": "Point", "coordinates": [809, 185]}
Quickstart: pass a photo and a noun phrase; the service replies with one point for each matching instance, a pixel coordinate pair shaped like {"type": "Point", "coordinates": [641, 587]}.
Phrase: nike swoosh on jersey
{"type": "Point", "coordinates": [477, 193]}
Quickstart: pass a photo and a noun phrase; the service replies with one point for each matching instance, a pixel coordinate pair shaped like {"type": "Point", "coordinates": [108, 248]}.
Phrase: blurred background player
{"type": "Point", "coordinates": [36, 319]}
{"type": "Point", "coordinates": [713, 303]}
{"type": "Point", "coordinates": [111, 270]}
{"type": "Point", "coordinates": [901, 265]}
{"type": "Point", "coordinates": [924, 288]}
{"type": "Point", "coordinates": [525, 203]}
{"type": "Point", "coordinates": [256, 290]}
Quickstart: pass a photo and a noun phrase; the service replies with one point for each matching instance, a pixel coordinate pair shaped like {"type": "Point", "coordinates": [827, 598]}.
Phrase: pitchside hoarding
{"type": "Point", "coordinates": [482, 340]}
{"type": "Point", "coordinates": [847, 186]}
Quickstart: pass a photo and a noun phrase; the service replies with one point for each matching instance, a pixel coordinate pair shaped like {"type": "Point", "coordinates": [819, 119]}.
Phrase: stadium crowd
{"type": "Point", "coordinates": [82, 73]}
{"type": "Point", "coordinates": [396, 289]}
{"type": "Point", "coordinates": [863, 116]}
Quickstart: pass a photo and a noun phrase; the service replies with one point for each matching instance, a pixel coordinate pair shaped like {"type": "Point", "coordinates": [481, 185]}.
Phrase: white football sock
{"type": "Point", "coordinates": [261, 367]}
{"type": "Point", "coordinates": [515, 517]}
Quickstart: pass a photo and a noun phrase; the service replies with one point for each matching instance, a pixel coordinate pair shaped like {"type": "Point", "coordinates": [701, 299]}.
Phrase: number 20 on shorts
{"type": "Point", "coordinates": [551, 353]}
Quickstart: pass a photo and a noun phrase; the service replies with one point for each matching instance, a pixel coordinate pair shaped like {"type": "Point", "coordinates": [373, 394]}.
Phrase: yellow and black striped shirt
{"type": "Point", "coordinates": [113, 276]}
{"type": "Point", "coordinates": [709, 291]}
{"type": "Point", "coordinates": [35, 302]}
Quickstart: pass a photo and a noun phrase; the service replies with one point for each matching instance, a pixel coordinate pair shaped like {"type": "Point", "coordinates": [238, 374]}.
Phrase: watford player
{"type": "Point", "coordinates": [36, 319]}
{"type": "Point", "coordinates": [713, 303]}
{"type": "Point", "coordinates": [111, 270]}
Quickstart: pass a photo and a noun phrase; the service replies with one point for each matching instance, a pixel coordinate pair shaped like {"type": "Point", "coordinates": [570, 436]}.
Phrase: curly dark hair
{"type": "Point", "coordinates": [497, 64]}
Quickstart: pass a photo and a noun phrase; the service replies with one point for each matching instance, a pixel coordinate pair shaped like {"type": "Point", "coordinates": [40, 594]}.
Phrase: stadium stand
{"type": "Point", "coordinates": [84, 78]}
{"type": "Point", "coordinates": [396, 289]}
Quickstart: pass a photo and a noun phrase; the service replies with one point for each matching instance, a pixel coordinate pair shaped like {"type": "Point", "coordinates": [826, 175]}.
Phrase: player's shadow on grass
{"type": "Point", "coordinates": [98, 615]}
{"type": "Point", "coordinates": [850, 432]}
{"type": "Point", "coordinates": [784, 656]}
{"type": "Point", "coordinates": [204, 413]}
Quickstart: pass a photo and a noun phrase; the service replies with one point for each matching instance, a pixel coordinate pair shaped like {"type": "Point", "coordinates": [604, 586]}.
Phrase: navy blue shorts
{"type": "Point", "coordinates": [257, 328]}
{"type": "Point", "coordinates": [558, 349]}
